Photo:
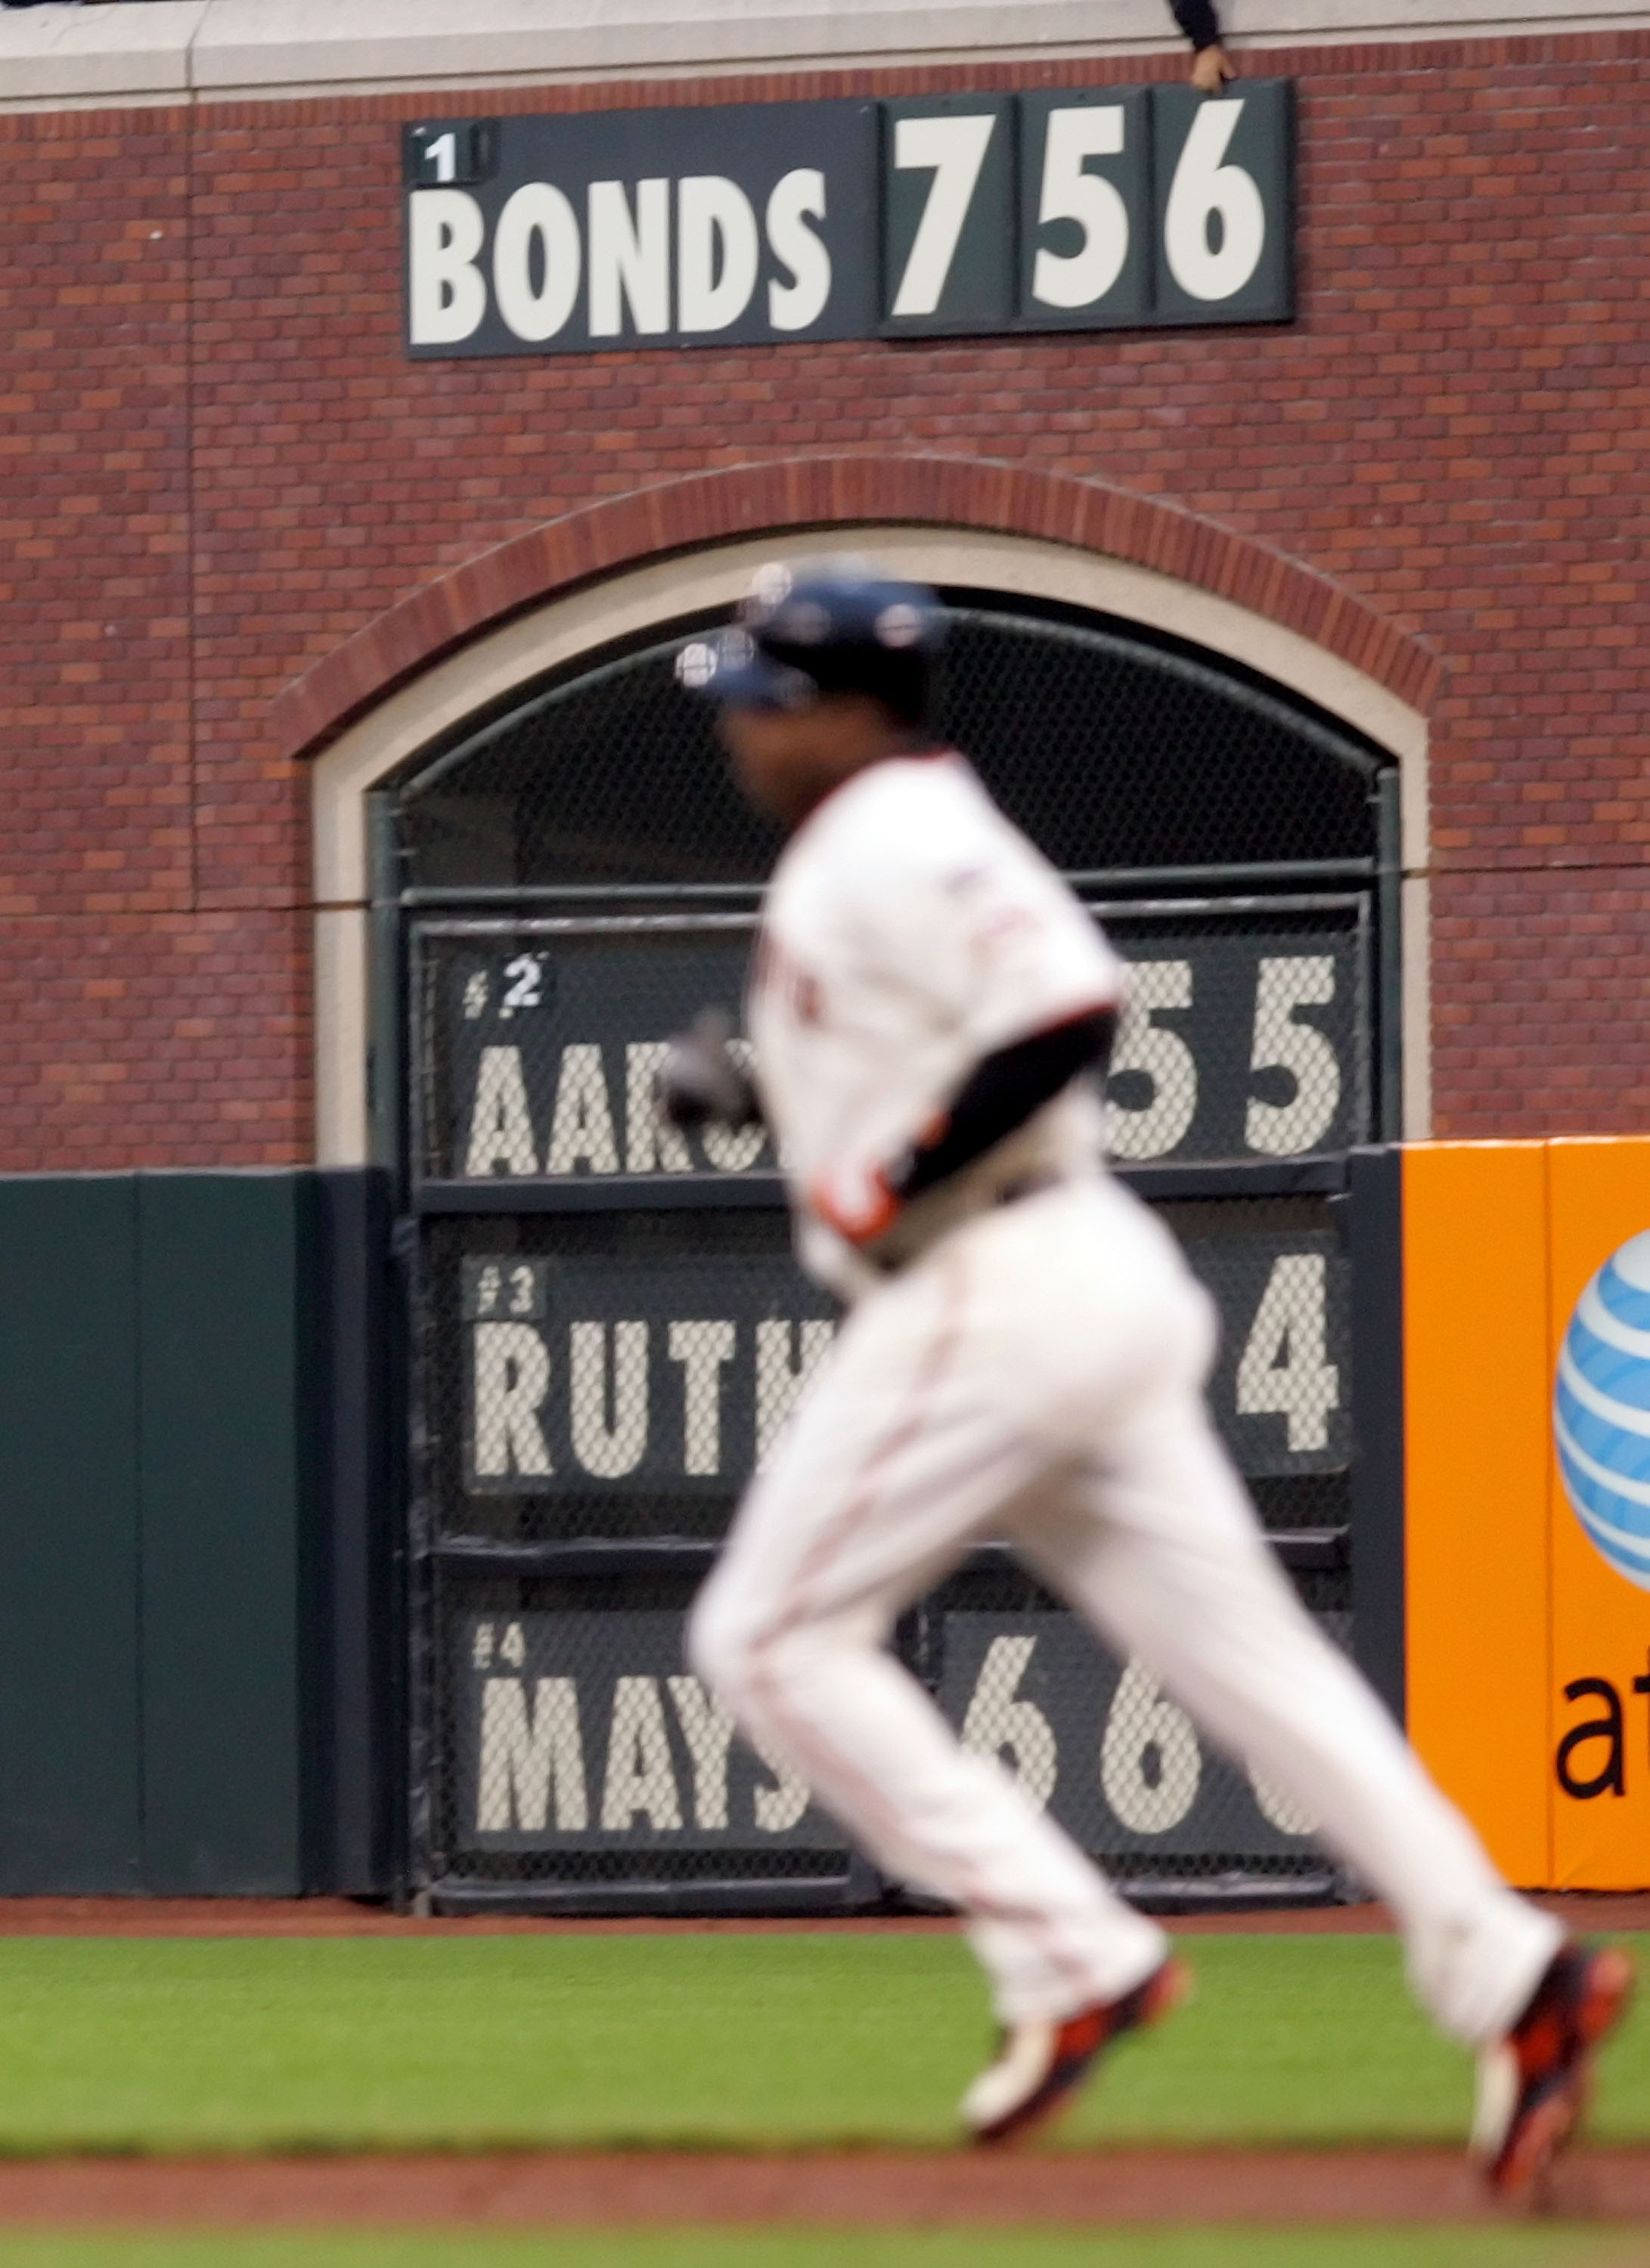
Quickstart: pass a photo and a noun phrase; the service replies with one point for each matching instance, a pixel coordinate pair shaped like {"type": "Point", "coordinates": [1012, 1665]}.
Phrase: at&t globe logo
{"type": "Point", "coordinates": [1602, 1411]}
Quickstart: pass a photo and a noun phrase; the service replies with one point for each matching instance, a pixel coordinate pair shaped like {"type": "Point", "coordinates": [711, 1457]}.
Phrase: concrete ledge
{"type": "Point", "coordinates": [111, 52]}
{"type": "Point", "coordinates": [219, 49]}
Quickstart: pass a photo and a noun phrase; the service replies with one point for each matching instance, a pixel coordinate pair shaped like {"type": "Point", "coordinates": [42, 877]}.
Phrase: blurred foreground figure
{"type": "Point", "coordinates": [1210, 66]}
{"type": "Point", "coordinates": [1024, 1358]}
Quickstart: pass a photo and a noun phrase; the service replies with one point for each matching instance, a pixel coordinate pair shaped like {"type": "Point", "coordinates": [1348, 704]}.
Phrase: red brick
{"type": "Point", "coordinates": [233, 512]}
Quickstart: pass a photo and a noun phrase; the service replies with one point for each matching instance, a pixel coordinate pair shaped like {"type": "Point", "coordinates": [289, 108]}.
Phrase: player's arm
{"type": "Point", "coordinates": [962, 928]}
{"type": "Point", "coordinates": [1005, 1090]}
{"type": "Point", "coordinates": [702, 1081]}
{"type": "Point", "coordinates": [1211, 65]}
{"type": "Point", "coordinates": [1002, 1091]}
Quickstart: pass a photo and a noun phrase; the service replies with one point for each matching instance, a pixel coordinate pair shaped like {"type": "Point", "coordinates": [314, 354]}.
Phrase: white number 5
{"type": "Point", "coordinates": [1077, 279]}
{"type": "Point", "coordinates": [1283, 1129]}
{"type": "Point", "coordinates": [1164, 1058]}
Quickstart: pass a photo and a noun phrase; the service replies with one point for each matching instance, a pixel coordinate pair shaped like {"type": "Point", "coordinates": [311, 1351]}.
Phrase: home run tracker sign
{"type": "Point", "coordinates": [1244, 1036]}
{"type": "Point", "coordinates": [1089, 209]}
{"type": "Point", "coordinates": [629, 1384]}
{"type": "Point", "coordinates": [613, 1377]}
{"type": "Point", "coordinates": [585, 1732]}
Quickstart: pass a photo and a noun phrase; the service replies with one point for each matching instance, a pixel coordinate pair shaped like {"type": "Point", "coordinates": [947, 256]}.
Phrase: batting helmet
{"type": "Point", "coordinates": [819, 626]}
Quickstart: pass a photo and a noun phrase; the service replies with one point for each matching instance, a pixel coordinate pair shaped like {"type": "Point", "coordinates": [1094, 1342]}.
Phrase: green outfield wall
{"type": "Point", "coordinates": [203, 1518]}
{"type": "Point", "coordinates": [195, 1562]}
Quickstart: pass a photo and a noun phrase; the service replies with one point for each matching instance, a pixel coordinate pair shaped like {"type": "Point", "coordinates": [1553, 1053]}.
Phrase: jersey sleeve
{"type": "Point", "coordinates": [989, 940]}
{"type": "Point", "coordinates": [1199, 21]}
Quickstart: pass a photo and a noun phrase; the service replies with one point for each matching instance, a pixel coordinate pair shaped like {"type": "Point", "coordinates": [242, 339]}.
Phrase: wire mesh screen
{"type": "Point", "coordinates": [1109, 750]}
{"type": "Point", "coordinates": [1245, 1034]}
{"type": "Point", "coordinates": [614, 1374]}
{"type": "Point", "coordinates": [538, 1044]}
{"type": "Point", "coordinates": [1245, 1031]}
{"type": "Point", "coordinates": [619, 1376]}
{"type": "Point", "coordinates": [1102, 1746]}
{"type": "Point", "coordinates": [623, 1374]}
{"type": "Point", "coordinates": [610, 1333]}
{"type": "Point", "coordinates": [576, 1748]}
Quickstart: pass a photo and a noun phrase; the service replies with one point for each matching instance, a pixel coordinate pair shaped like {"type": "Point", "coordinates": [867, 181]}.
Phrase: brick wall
{"type": "Point", "coordinates": [219, 466]}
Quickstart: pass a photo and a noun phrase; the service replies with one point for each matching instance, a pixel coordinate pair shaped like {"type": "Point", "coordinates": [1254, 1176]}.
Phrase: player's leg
{"type": "Point", "coordinates": [1157, 1546]}
{"type": "Point", "coordinates": [1153, 1538]}
{"type": "Point", "coordinates": [892, 1466]}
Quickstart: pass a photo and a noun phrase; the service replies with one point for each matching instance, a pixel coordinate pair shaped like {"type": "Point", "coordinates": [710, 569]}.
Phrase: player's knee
{"type": "Point", "coordinates": [719, 1643]}
{"type": "Point", "coordinates": [1201, 1328]}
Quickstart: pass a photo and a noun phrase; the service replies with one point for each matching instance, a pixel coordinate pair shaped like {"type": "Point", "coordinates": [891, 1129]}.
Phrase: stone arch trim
{"type": "Point", "coordinates": [792, 495]}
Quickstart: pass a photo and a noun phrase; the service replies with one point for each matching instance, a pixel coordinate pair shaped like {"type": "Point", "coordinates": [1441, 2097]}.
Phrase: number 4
{"type": "Point", "coordinates": [1282, 1373]}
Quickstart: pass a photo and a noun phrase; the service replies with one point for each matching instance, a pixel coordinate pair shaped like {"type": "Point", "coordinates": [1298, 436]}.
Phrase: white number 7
{"type": "Point", "coordinates": [956, 149]}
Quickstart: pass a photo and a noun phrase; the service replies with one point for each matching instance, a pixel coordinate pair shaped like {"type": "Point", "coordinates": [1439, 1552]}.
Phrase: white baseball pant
{"type": "Point", "coordinates": [1037, 1376]}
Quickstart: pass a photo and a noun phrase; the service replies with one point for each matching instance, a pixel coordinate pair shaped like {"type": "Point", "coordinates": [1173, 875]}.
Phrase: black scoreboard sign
{"type": "Point", "coordinates": [586, 1732]}
{"type": "Point", "coordinates": [612, 1379]}
{"type": "Point", "coordinates": [1088, 209]}
{"type": "Point", "coordinates": [1245, 1036]}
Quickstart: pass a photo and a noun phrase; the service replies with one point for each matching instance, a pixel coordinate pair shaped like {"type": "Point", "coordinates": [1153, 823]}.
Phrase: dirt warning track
{"type": "Point", "coordinates": [1159, 2188]}
{"type": "Point", "coordinates": [327, 1917]}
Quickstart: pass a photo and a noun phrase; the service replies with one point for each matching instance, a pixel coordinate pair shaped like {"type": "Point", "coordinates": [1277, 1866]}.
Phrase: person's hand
{"type": "Point", "coordinates": [1211, 68]}
{"type": "Point", "coordinates": [857, 1202]}
{"type": "Point", "coordinates": [703, 1082]}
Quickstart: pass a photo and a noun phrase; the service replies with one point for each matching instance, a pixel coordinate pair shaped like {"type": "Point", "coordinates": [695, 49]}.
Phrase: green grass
{"type": "Point", "coordinates": [1510, 2247]}
{"type": "Point", "coordinates": [777, 2040]}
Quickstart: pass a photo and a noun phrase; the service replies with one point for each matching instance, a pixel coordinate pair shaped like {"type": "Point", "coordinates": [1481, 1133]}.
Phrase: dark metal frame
{"type": "Point", "coordinates": [1374, 884]}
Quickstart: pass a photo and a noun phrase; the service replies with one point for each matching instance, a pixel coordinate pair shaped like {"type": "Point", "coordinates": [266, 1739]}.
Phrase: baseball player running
{"type": "Point", "coordinates": [1024, 1357]}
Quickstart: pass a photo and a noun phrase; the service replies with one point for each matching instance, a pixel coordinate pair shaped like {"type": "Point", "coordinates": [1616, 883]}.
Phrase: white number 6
{"type": "Point", "coordinates": [996, 1720]}
{"type": "Point", "coordinates": [1204, 187]}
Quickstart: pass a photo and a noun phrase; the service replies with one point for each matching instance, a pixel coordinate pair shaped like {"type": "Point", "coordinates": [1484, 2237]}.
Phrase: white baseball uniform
{"type": "Point", "coordinates": [1034, 1371]}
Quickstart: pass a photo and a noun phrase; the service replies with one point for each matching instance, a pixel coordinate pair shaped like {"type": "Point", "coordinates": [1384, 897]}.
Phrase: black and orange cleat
{"type": "Point", "coordinates": [1040, 2066]}
{"type": "Point", "coordinates": [1533, 2082]}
